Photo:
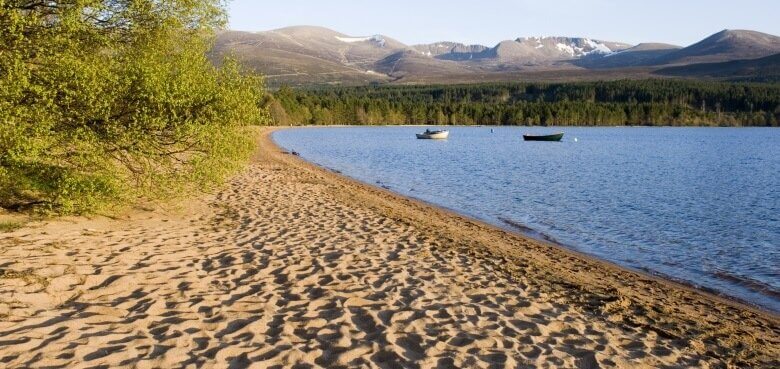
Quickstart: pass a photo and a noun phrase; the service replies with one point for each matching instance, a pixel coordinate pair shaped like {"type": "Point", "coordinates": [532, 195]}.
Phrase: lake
{"type": "Point", "coordinates": [697, 205]}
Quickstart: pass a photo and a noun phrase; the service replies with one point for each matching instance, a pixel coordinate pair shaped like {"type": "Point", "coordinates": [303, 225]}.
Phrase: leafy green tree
{"type": "Point", "coordinates": [105, 101]}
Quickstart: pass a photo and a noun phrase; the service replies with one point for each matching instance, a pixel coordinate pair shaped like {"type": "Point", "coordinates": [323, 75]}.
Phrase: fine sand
{"type": "Point", "coordinates": [291, 266]}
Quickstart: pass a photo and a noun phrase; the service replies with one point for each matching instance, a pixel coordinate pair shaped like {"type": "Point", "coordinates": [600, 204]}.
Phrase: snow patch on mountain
{"type": "Point", "coordinates": [583, 47]}
{"type": "Point", "coordinates": [597, 47]}
{"type": "Point", "coordinates": [565, 48]}
{"type": "Point", "coordinates": [376, 39]}
{"type": "Point", "coordinates": [351, 40]}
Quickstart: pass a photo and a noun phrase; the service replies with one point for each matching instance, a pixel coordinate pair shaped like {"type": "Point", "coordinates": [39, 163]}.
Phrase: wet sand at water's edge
{"type": "Point", "coordinates": [291, 266]}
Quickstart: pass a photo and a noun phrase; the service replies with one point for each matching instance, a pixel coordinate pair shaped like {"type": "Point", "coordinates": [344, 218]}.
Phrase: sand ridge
{"type": "Point", "coordinates": [294, 267]}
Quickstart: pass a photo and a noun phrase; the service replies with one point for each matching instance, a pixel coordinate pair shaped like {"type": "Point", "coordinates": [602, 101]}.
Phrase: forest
{"type": "Point", "coordinates": [654, 102]}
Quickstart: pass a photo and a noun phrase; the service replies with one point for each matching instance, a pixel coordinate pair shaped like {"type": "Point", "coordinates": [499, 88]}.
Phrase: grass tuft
{"type": "Point", "coordinates": [10, 226]}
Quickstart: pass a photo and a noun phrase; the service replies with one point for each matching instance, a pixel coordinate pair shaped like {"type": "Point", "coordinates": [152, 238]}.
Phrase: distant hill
{"type": "Point", "coordinates": [302, 55]}
{"type": "Point", "coordinates": [308, 55]}
{"type": "Point", "coordinates": [759, 70]}
{"type": "Point", "coordinates": [724, 46]}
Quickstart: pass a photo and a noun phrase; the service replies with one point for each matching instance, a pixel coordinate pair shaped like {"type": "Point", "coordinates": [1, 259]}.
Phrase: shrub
{"type": "Point", "coordinates": [103, 101]}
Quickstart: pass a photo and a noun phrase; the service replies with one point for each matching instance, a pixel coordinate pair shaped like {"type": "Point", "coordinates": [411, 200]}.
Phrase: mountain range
{"type": "Point", "coordinates": [307, 55]}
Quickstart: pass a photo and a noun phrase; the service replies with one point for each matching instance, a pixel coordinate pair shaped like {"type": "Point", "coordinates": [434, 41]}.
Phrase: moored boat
{"type": "Point", "coordinates": [552, 137]}
{"type": "Point", "coordinates": [433, 135]}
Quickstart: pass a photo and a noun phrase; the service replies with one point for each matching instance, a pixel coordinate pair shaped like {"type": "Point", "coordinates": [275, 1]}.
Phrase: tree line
{"type": "Point", "coordinates": [653, 102]}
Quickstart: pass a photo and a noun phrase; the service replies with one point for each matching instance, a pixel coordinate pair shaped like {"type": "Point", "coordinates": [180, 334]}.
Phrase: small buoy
{"type": "Point", "coordinates": [491, 130]}
{"type": "Point", "coordinates": [575, 139]}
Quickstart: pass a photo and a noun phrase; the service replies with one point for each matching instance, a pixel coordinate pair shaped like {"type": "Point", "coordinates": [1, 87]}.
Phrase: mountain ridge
{"type": "Point", "coordinates": [724, 46]}
{"type": "Point", "coordinates": [318, 55]}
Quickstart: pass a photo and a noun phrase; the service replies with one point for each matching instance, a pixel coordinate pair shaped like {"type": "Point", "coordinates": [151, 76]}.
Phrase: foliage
{"type": "Point", "coordinates": [103, 101]}
{"type": "Point", "coordinates": [647, 102]}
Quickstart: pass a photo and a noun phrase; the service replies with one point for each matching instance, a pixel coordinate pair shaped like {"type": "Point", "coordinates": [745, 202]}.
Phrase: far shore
{"type": "Point", "coordinates": [292, 265]}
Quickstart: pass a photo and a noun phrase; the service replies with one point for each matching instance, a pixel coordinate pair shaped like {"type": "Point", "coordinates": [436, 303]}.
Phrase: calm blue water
{"type": "Point", "coordinates": [700, 205]}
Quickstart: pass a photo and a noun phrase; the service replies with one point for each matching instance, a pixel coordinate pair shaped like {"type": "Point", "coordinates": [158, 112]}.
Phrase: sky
{"type": "Point", "coordinates": [487, 22]}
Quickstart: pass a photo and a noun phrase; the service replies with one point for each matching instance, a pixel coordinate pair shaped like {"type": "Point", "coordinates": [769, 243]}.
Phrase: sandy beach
{"type": "Point", "coordinates": [291, 266]}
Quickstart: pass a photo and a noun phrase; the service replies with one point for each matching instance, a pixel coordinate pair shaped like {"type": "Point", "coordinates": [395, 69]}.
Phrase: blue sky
{"type": "Point", "coordinates": [680, 22]}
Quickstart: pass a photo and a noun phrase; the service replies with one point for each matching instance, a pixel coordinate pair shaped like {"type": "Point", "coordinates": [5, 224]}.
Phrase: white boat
{"type": "Point", "coordinates": [433, 135]}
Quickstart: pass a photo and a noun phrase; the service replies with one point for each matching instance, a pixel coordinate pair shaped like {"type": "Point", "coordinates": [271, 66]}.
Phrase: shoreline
{"type": "Point", "coordinates": [543, 238]}
{"type": "Point", "coordinates": [640, 276]}
{"type": "Point", "coordinates": [291, 265]}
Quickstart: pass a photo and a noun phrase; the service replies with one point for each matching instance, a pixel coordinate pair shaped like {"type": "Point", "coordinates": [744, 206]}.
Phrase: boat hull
{"type": "Point", "coordinates": [555, 137]}
{"type": "Point", "coordinates": [433, 136]}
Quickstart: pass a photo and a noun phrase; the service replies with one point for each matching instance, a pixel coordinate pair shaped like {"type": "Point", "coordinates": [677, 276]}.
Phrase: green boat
{"type": "Point", "coordinates": [553, 137]}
